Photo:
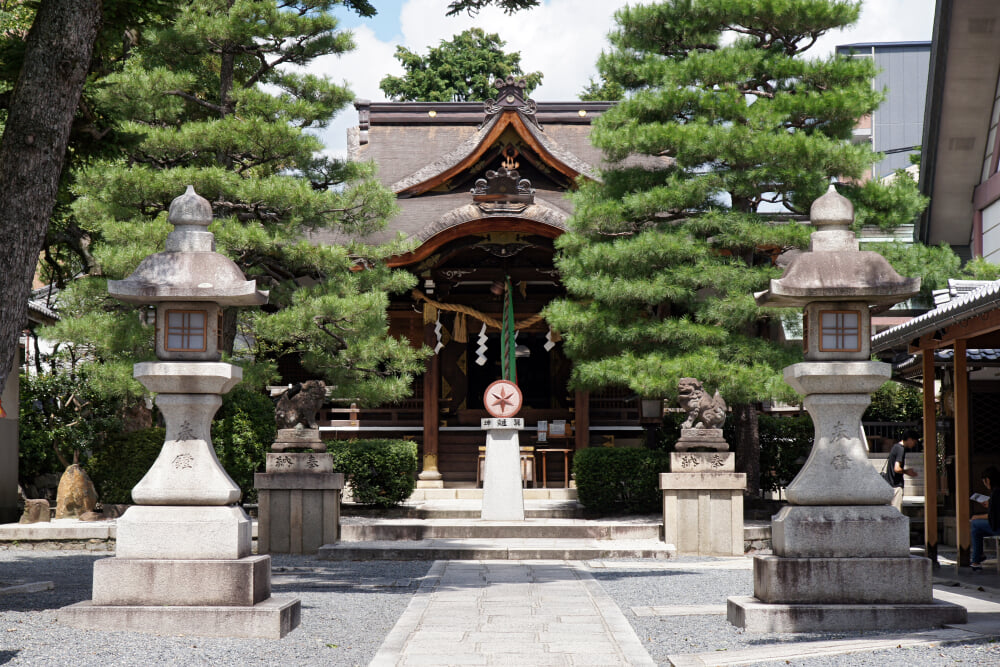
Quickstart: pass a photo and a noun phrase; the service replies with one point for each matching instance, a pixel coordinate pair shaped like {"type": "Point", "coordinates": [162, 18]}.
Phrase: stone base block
{"type": "Point", "coordinates": [271, 619]}
{"type": "Point", "coordinates": [184, 533]}
{"type": "Point", "coordinates": [430, 483]}
{"type": "Point", "coordinates": [298, 512]}
{"type": "Point", "coordinates": [753, 615]}
{"type": "Point", "coordinates": [703, 512]}
{"type": "Point", "coordinates": [227, 583]}
{"type": "Point", "coordinates": [298, 438]}
{"type": "Point", "coordinates": [842, 580]}
{"type": "Point", "coordinates": [702, 462]}
{"type": "Point", "coordinates": [707, 438]}
{"type": "Point", "coordinates": [849, 531]}
{"type": "Point", "coordinates": [307, 462]}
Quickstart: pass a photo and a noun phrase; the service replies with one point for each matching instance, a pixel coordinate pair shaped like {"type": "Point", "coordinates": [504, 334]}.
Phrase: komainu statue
{"type": "Point", "coordinates": [298, 406]}
{"type": "Point", "coordinates": [703, 411]}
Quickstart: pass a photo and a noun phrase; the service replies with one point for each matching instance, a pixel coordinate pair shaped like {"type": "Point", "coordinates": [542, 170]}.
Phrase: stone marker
{"type": "Point", "coordinates": [841, 552]}
{"type": "Point", "coordinates": [35, 511]}
{"type": "Point", "coordinates": [76, 494]}
{"type": "Point", "coordinates": [183, 562]}
{"type": "Point", "coordinates": [503, 499]}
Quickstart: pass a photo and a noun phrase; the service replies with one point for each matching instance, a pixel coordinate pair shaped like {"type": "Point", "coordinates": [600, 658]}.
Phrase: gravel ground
{"type": "Point", "coordinates": [673, 635]}
{"type": "Point", "coordinates": [343, 628]}
{"type": "Point", "coordinates": [347, 628]}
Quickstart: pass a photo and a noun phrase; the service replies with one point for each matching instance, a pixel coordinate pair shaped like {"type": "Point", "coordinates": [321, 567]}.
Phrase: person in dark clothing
{"type": "Point", "coordinates": [896, 466]}
{"type": "Point", "coordinates": [984, 525]}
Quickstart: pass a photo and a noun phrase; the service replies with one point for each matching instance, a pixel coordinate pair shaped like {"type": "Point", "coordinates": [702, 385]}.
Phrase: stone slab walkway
{"type": "Point", "coordinates": [511, 613]}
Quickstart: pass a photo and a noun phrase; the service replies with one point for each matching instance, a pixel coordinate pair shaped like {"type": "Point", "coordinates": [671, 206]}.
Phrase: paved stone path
{"type": "Point", "coordinates": [511, 613]}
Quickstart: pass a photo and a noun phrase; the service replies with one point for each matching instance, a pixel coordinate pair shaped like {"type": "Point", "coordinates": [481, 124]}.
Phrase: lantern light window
{"type": "Point", "coordinates": [840, 331]}
{"type": "Point", "coordinates": [187, 331]}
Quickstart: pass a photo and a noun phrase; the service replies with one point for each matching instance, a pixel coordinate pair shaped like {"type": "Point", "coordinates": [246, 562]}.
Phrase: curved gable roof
{"type": "Point", "coordinates": [467, 153]}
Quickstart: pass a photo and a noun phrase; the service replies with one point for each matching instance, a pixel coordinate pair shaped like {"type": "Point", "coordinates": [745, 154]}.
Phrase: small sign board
{"type": "Point", "coordinates": [503, 399]}
{"type": "Point", "coordinates": [502, 422]}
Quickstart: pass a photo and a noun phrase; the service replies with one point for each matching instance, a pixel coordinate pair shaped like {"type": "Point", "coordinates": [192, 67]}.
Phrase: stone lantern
{"type": "Point", "coordinates": [841, 556]}
{"type": "Point", "coordinates": [183, 558]}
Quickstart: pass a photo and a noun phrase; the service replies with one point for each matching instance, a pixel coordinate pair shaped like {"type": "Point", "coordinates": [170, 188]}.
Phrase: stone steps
{"type": "Point", "coordinates": [464, 509]}
{"type": "Point", "coordinates": [381, 530]}
{"type": "Point", "coordinates": [496, 549]}
{"type": "Point", "coordinates": [473, 493]}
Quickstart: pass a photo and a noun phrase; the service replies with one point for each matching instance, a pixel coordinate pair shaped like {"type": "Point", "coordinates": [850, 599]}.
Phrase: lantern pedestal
{"type": "Point", "coordinates": [503, 499]}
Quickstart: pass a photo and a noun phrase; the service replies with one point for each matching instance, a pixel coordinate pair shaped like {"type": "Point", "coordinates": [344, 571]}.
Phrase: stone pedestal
{"type": "Point", "coordinates": [298, 503]}
{"type": "Point", "coordinates": [298, 438]}
{"type": "Point", "coordinates": [704, 438]}
{"type": "Point", "coordinates": [503, 499]}
{"type": "Point", "coordinates": [703, 512]}
{"type": "Point", "coordinates": [841, 554]}
{"type": "Point", "coordinates": [183, 562]}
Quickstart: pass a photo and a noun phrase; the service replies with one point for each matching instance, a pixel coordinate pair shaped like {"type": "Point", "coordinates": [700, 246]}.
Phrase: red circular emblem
{"type": "Point", "coordinates": [502, 399]}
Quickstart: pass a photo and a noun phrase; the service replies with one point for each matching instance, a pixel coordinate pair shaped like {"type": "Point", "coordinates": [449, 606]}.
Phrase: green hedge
{"type": "Point", "coordinates": [784, 445]}
{"type": "Point", "coordinates": [380, 472]}
{"type": "Point", "coordinates": [620, 480]}
{"type": "Point", "coordinates": [122, 462]}
{"type": "Point", "coordinates": [242, 432]}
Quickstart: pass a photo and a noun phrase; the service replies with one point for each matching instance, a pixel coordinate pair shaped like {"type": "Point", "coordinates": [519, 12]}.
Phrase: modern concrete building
{"type": "Point", "coordinates": [896, 127]}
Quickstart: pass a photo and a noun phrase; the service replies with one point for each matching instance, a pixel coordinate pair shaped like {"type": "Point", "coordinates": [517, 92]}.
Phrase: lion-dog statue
{"type": "Point", "coordinates": [703, 411]}
{"type": "Point", "coordinates": [298, 406]}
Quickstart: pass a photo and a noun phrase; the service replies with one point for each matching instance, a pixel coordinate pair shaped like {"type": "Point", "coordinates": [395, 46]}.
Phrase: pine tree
{"type": "Point", "coordinates": [218, 100]}
{"type": "Point", "coordinates": [460, 70]}
{"type": "Point", "coordinates": [668, 248]}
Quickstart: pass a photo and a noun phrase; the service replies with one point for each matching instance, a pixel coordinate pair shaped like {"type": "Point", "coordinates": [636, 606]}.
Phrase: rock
{"type": "Point", "coordinates": [113, 511]}
{"type": "Point", "coordinates": [76, 493]}
{"type": "Point", "coordinates": [35, 511]}
{"type": "Point", "coordinates": [92, 516]}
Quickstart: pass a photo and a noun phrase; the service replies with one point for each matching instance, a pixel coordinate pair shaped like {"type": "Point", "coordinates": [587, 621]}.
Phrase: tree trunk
{"type": "Point", "coordinates": [747, 446]}
{"type": "Point", "coordinates": [33, 149]}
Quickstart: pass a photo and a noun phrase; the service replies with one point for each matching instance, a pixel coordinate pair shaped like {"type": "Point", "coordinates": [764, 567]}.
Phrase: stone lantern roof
{"type": "Point", "coordinates": [834, 269]}
{"type": "Point", "coordinates": [189, 269]}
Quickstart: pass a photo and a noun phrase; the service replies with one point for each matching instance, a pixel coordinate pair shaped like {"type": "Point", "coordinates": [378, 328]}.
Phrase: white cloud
{"type": "Point", "coordinates": [560, 38]}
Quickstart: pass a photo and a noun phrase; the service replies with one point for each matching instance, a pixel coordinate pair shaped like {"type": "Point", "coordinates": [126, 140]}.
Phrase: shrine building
{"type": "Point", "coordinates": [482, 189]}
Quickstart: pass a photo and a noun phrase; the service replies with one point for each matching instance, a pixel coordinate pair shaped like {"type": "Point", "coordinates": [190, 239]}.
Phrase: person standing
{"type": "Point", "coordinates": [896, 466]}
{"type": "Point", "coordinates": [984, 525]}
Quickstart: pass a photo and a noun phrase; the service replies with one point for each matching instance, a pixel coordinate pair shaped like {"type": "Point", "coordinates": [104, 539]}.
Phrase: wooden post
{"type": "Point", "coordinates": [581, 401]}
{"type": "Point", "coordinates": [930, 459]}
{"type": "Point", "coordinates": [429, 476]}
{"type": "Point", "coordinates": [961, 454]}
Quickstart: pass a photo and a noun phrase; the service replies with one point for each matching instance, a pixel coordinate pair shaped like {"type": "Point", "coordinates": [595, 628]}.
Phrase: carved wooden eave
{"type": "Point", "coordinates": [540, 218]}
{"type": "Point", "coordinates": [469, 152]}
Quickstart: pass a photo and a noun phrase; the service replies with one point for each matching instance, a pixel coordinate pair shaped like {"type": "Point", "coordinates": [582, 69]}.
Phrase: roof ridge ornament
{"type": "Point", "coordinates": [511, 94]}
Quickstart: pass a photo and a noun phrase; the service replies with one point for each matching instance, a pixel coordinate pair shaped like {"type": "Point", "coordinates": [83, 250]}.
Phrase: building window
{"type": "Point", "coordinates": [840, 331]}
{"type": "Point", "coordinates": [187, 330]}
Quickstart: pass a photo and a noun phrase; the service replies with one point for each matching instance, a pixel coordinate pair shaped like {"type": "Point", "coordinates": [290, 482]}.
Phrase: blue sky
{"type": "Point", "coordinates": [561, 38]}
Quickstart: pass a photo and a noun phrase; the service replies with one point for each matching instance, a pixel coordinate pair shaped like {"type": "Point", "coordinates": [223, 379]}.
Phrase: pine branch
{"type": "Point", "coordinates": [197, 100]}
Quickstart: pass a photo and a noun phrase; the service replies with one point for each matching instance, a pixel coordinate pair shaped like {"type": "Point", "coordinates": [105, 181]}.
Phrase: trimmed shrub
{"type": "Point", "coordinates": [784, 445]}
{"type": "Point", "coordinates": [620, 480]}
{"type": "Point", "coordinates": [121, 463]}
{"type": "Point", "coordinates": [380, 472]}
{"type": "Point", "coordinates": [242, 432]}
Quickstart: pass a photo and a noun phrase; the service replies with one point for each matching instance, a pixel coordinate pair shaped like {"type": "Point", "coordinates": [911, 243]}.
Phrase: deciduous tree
{"type": "Point", "coordinates": [460, 70]}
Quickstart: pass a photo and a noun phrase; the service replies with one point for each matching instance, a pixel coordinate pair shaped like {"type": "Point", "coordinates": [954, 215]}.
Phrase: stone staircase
{"type": "Point", "coordinates": [442, 529]}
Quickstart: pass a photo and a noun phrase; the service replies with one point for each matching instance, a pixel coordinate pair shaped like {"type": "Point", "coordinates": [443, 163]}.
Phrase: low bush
{"type": "Point", "coordinates": [784, 445]}
{"type": "Point", "coordinates": [620, 480]}
{"type": "Point", "coordinates": [379, 472]}
{"type": "Point", "coordinates": [242, 432]}
{"type": "Point", "coordinates": [121, 463]}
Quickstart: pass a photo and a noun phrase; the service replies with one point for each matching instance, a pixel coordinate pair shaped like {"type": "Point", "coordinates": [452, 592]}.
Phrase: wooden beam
{"type": "Point", "coordinates": [498, 224]}
{"type": "Point", "coordinates": [961, 454]}
{"type": "Point", "coordinates": [930, 459]}
{"type": "Point", "coordinates": [975, 326]}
